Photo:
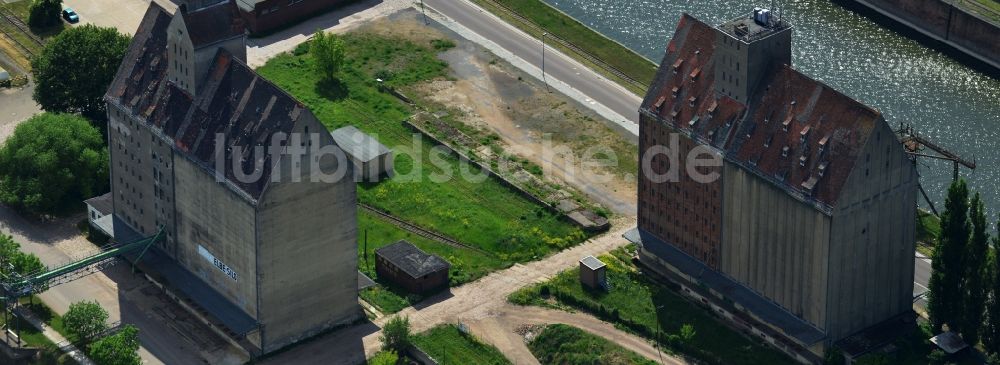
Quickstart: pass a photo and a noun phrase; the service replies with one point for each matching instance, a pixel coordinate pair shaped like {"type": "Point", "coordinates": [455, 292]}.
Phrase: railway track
{"type": "Point", "coordinates": [22, 29]}
{"type": "Point", "coordinates": [434, 236]}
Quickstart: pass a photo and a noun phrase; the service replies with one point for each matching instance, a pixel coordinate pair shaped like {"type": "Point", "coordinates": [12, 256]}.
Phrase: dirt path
{"type": "Point", "coordinates": [511, 317]}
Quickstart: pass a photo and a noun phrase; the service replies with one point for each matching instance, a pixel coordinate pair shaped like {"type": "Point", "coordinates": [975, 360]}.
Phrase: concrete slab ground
{"type": "Point", "coordinates": [123, 15]}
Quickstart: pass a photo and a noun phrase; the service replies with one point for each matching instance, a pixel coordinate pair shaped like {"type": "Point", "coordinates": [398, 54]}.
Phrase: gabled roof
{"type": "Point", "coordinates": [213, 23]}
{"type": "Point", "coordinates": [101, 203]}
{"type": "Point", "coordinates": [795, 132]}
{"type": "Point", "coordinates": [413, 261]}
{"type": "Point", "coordinates": [234, 102]}
{"type": "Point", "coordinates": [357, 144]}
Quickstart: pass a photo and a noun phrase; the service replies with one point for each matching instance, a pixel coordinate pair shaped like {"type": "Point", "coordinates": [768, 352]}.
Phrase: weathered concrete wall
{"type": "Point", "coordinates": [739, 66]}
{"type": "Point", "coordinates": [931, 15]}
{"type": "Point", "coordinates": [940, 20]}
{"type": "Point", "coordinates": [307, 250]}
{"type": "Point", "coordinates": [211, 215]}
{"type": "Point", "coordinates": [974, 33]}
{"type": "Point", "coordinates": [141, 176]}
{"type": "Point", "coordinates": [775, 244]}
{"type": "Point", "coordinates": [873, 238]}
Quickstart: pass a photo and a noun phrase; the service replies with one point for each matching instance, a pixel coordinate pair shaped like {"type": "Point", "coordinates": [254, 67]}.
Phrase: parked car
{"type": "Point", "coordinates": [70, 15]}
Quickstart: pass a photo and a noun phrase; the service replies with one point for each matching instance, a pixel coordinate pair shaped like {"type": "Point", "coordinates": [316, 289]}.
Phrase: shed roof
{"type": "Point", "coordinates": [592, 263]}
{"type": "Point", "coordinates": [358, 145]}
{"type": "Point", "coordinates": [101, 203]}
{"type": "Point", "coordinates": [412, 260]}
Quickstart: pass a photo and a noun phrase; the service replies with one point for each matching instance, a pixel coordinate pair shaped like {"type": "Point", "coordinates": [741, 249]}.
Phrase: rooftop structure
{"type": "Point", "coordinates": [810, 180]}
{"type": "Point", "coordinates": [370, 158]}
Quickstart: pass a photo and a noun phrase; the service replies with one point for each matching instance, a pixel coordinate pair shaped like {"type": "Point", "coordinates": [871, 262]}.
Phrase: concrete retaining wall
{"type": "Point", "coordinates": [953, 26]}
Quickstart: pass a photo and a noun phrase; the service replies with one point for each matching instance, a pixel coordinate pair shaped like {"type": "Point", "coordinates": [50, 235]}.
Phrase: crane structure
{"type": "Point", "coordinates": [14, 286]}
{"type": "Point", "coordinates": [916, 145]}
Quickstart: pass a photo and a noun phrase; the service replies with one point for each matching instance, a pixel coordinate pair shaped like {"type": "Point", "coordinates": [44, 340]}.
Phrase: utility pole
{"type": "Point", "coordinates": [423, 11]}
{"type": "Point", "coordinates": [659, 334]}
{"type": "Point", "coordinates": [543, 63]}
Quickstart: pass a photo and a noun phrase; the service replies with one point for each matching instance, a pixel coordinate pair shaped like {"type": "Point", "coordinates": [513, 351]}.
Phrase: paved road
{"type": "Point", "coordinates": [122, 294]}
{"type": "Point", "coordinates": [921, 276]}
{"type": "Point", "coordinates": [529, 48]}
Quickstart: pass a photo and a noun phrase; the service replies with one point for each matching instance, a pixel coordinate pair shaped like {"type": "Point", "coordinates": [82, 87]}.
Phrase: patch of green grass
{"type": "Point", "coordinates": [32, 337]}
{"type": "Point", "coordinates": [388, 299]}
{"type": "Point", "coordinates": [928, 232]}
{"type": "Point", "coordinates": [484, 214]}
{"type": "Point", "coordinates": [447, 344]}
{"type": "Point", "coordinates": [647, 308]}
{"type": "Point", "coordinates": [987, 8]}
{"type": "Point", "coordinates": [567, 345]}
{"type": "Point", "coordinates": [559, 24]}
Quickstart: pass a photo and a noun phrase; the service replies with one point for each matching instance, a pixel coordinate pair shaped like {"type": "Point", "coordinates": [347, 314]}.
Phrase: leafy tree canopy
{"type": "Point", "coordinates": [86, 319]}
{"type": "Point", "coordinates": [44, 13]}
{"type": "Point", "coordinates": [23, 263]}
{"type": "Point", "coordinates": [75, 69]}
{"type": "Point", "coordinates": [52, 162]}
{"type": "Point", "coordinates": [328, 52]}
{"type": "Point", "coordinates": [121, 348]}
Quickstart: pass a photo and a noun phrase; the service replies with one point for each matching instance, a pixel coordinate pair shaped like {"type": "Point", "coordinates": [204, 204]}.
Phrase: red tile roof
{"type": "Point", "coordinates": [796, 132]}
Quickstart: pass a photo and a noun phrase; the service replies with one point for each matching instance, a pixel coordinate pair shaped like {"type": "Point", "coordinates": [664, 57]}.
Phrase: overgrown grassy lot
{"type": "Point", "coordinates": [448, 345]}
{"type": "Point", "coordinates": [466, 265]}
{"type": "Point", "coordinates": [559, 24]}
{"type": "Point", "coordinates": [646, 308]}
{"type": "Point", "coordinates": [483, 214]}
{"type": "Point", "coordinates": [928, 231]}
{"type": "Point", "coordinates": [560, 344]}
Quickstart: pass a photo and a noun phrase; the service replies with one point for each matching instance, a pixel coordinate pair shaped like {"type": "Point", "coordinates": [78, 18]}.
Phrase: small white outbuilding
{"type": "Point", "coordinates": [371, 159]}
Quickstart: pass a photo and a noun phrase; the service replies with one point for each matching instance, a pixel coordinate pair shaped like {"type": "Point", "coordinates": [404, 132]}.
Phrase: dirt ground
{"type": "Point", "coordinates": [547, 128]}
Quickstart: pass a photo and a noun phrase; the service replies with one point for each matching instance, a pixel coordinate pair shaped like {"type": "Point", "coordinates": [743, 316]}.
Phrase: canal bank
{"type": "Point", "coordinates": [956, 30]}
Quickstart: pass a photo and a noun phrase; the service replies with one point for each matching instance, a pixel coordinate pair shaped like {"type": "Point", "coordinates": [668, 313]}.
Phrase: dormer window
{"type": "Point", "coordinates": [822, 144]}
{"type": "Point", "coordinates": [659, 103]}
{"type": "Point", "coordinates": [784, 151]}
{"type": "Point", "coordinates": [693, 121]}
{"type": "Point", "coordinates": [767, 142]}
{"type": "Point", "coordinates": [787, 123]}
{"type": "Point", "coordinates": [803, 160]}
{"type": "Point", "coordinates": [822, 167]}
{"type": "Point", "coordinates": [712, 107]}
{"type": "Point", "coordinates": [694, 74]}
{"type": "Point", "coordinates": [692, 100]}
{"type": "Point", "coordinates": [674, 91]}
{"type": "Point", "coordinates": [804, 134]}
{"type": "Point", "coordinates": [677, 65]}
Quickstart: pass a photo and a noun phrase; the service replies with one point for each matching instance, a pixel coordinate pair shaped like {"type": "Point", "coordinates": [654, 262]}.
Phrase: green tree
{"type": "Point", "coordinates": [396, 334]}
{"type": "Point", "coordinates": [328, 52]}
{"type": "Point", "coordinates": [944, 302]}
{"type": "Point", "coordinates": [991, 331]}
{"type": "Point", "coordinates": [51, 162]}
{"type": "Point", "coordinates": [44, 13]}
{"type": "Point", "coordinates": [121, 348]}
{"type": "Point", "coordinates": [23, 263]}
{"type": "Point", "coordinates": [75, 69]}
{"type": "Point", "coordinates": [974, 281]}
{"type": "Point", "coordinates": [86, 319]}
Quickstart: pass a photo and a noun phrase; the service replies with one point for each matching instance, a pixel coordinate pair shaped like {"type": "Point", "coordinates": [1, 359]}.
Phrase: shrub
{"type": "Point", "coordinates": [396, 334]}
{"type": "Point", "coordinates": [544, 291]}
{"type": "Point", "coordinates": [442, 44]}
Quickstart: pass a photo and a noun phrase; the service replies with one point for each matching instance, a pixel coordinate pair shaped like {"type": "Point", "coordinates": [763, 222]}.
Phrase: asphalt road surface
{"type": "Point", "coordinates": [529, 48]}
